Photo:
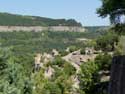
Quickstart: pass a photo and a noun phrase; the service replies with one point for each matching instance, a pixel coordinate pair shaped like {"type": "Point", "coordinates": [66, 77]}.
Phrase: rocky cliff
{"type": "Point", "coordinates": [41, 28]}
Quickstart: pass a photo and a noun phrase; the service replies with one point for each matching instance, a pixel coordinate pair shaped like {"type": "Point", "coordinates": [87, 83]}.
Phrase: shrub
{"type": "Point", "coordinates": [82, 51]}
{"type": "Point", "coordinates": [73, 48]}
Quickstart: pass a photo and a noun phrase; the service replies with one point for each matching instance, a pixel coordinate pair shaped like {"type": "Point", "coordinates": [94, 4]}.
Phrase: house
{"type": "Point", "coordinates": [47, 57]}
{"type": "Point", "coordinates": [55, 53]}
{"type": "Point", "coordinates": [89, 51]}
{"type": "Point", "coordinates": [49, 72]}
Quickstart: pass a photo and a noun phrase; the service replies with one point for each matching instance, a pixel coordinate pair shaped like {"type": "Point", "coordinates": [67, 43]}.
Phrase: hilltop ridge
{"type": "Point", "coordinates": [8, 19]}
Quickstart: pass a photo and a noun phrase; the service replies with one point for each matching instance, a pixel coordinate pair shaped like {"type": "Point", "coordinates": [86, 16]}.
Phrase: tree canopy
{"type": "Point", "coordinates": [113, 8]}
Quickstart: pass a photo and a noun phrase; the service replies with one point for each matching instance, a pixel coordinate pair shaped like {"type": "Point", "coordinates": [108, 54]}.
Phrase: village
{"type": "Point", "coordinates": [75, 58]}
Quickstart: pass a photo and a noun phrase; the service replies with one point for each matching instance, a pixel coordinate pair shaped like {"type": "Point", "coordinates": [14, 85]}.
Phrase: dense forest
{"type": "Point", "coordinates": [32, 42]}
{"type": "Point", "coordinates": [7, 19]}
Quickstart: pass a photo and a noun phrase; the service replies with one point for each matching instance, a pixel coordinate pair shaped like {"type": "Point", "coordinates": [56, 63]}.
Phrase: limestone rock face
{"type": "Point", "coordinates": [42, 28]}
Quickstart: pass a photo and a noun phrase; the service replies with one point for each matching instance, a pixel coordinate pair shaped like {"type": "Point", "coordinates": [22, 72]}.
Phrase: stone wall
{"type": "Point", "coordinates": [40, 28]}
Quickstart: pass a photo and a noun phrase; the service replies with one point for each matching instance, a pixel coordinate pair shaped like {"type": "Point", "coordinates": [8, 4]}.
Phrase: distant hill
{"type": "Point", "coordinates": [96, 28]}
{"type": "Point", "coordinates": [7, 19]}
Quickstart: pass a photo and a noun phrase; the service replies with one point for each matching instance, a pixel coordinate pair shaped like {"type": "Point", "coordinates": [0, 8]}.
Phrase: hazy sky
{"type": "Point", "coordinates": [83, 11]}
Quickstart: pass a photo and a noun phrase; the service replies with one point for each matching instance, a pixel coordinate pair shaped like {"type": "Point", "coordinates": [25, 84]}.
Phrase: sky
{"type": "Point", "coordinates": [83, 11]}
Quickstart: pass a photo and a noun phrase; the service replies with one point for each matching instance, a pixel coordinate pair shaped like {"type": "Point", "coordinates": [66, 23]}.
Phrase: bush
{"type": "Point", "coordinates": [51, 88]}
{"type": "Point", "coordinates": [82, 51]}
{"type": "Point", "coordinates": [103, 61]}
{"type": "Point", "coordinates": [58, 61]}
{"type": "Point", "coordinates": [107, 42]}
{"type": "Point", "coordinates": [69, 69]}
{"type": "Point", "coordinates": [118, 50]}
{"type": "Point", "coordinates": [73, 48]}
{"type": "Point", "coordinates": [86, 76]}
{"type": "Point", "coordinates": [64, 53]}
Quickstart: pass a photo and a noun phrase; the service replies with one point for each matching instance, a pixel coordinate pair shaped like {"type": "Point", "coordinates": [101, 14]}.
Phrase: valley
{"type": "Point", "coordinates": [59, 56]}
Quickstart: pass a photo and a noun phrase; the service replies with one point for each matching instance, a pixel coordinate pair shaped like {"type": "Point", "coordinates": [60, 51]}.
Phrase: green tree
{"type": "Point", "coordinates": [69, 69]}
{"type": "Point", "coordinates": [103, 61]}
{"type": "Point", "coordinates": [113, 8]}
{"type": "Point", "coordinates": [13, 79]}
{"type": "Point", "coordinates": [51, 88]}
{"type": "Point", "coordinates": [107, 42]}
{"type": "Point", "coordinates": [86, 76]}
{"type": "Point", "coordinates": [73, 48]}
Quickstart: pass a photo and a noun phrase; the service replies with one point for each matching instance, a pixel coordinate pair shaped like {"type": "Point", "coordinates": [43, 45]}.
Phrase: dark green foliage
{"type": "Point", "coordinates": [100, 88]}
{"type": "Point", "coordinates": [113, 8]}
{"type": "Point", "coordinates": [104, 61]}
{"type": "Point", "coordinates": [19, 20]}
{"type": "Point", "coordinates": [72, 49]}
{"type": "Point", "coordinates": [82, 51]}
{"type": "Point", "coordinates": [33, 42]}
{"type": "Point", "coordinates": [63, 53]}
{"type": "Point", "coordinates": [58, 61]}
{"type": "Point", "coordinates": [107, 42]}
{"type": "Point", "coordinates": [69, 69]}
{"type": "Point", "coordinates": [51, 88]}
{"type": "Point", "coordinates": [88, 70]}
{"type": "Point", "coordinates": [13, 77]}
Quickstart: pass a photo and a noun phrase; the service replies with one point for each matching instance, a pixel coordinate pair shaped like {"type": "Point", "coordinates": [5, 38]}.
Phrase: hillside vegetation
{"type": "Point", "coordinates": [19, 74]}
{"type": "Point", "coordinates": [32, 42]}
{"type": "Point", "coordinates": [7, 19]}
{"type": "Point", "coordinates": [96, 28]}
{"type": "Point", "coordinates": [122, 41]}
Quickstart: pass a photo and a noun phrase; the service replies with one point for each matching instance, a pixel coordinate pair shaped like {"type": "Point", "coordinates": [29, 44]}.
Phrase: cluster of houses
{"type": "Point", "coordinates": [42, 59]}
{"type": "Point", "coordinates": [75, 58]}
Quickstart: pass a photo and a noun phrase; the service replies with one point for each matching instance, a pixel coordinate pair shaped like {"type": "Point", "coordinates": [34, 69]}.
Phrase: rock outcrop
{"type": "Point", "coordinates": [41, 28]}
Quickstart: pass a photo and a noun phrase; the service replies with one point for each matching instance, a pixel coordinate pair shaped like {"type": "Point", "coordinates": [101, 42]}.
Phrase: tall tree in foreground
{"type": "Point", "coordinates": [115, 9]}
{"type": "Point", "coordinates": [13, 77]}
